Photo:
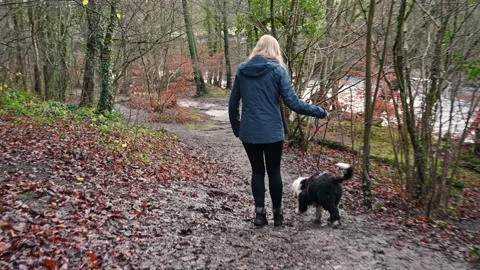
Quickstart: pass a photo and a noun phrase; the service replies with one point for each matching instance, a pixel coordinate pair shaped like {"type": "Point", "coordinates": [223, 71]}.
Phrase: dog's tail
{"type": "Point", "coordinates": [348, 172]}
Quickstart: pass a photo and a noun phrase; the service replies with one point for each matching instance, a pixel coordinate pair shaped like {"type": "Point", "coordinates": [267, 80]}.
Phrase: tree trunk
{"type": "Point", "coordinates": [402, 72]}
{"type": "Point", "coordinates": [334, 36]}
{"type": "Point", "coordinates": [210, 40]}
{"type": "Point", "coordinates": [431, 181]}
{"type": "Point", "coordinates": [198, 77]}
{"type": "Point", "coordinates": [477, 134]}
{"type": "Point", "coordinates": [107, 97]}
{"type": "Point", "coordinates": [289, 53]}
{"type": "Point", "coordinates": [228, 67]}
{"type": "Point", "coordinates": [64, 80]}
{"type": "Point", "coordinates": [38, 85]}
{"type": "Point", "coordinates": [218, 81]}
{"type": "Point", "coordinates": [20, 74]}
{"type": "Point", "coordinates": [93, 43]}
{"type": "Point", "coordinates": [291, 33]}
{"type": "Point", "coordinates": [366, 183]}
{"type": "Point", "coordinates": [272, 19]}
{"type": "Point", "coordinates": [217, 45]}
{"type": "Point", "coordinates": [124, 77]}
{"type": "Point", "coordinates": [50, 56]}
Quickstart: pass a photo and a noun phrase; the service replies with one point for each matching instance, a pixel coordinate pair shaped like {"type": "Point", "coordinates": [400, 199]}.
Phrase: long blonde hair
{"type": "Point", "coordinates": [268, 47]}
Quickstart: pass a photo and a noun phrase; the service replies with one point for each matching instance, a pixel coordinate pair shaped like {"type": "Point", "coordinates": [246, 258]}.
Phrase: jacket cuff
{"type": "Point", "coordinates": [323, 112]}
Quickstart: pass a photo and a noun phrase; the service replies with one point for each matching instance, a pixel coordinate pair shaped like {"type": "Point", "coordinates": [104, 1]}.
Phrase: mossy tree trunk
{"type": "Point", "coordinates": [64, 80]}
{"type": "Point", "coordinates": [107, 97]}
{"type": "Point", "coordinates": [93, 44]}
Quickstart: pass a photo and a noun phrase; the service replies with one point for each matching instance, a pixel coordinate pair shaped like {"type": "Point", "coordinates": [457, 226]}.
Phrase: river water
{"type": "Point", "coordinates": [453, 110]}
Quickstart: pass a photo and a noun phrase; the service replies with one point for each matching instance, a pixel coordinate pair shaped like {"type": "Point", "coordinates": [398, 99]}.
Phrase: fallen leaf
{"type": "Point", "coordinates": [4, 247]}
{"type": "Point", "coordinates": [50, 263]}
{"type": "Point", "coordinates": [474, 259]}
{"type": "Point", "coordinates": [92, 257]}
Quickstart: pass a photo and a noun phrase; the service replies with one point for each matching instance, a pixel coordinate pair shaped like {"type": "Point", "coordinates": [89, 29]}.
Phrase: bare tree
{"type": "Point", "coordinates": [477, 135]}
{"type": "Point", "coordinates": [18, 24]}
{"type": "Point", "coordinates": [369, 105]}
{"type": "Point", "coordinates": [198, 77]}
{"type": "Point", "coordinates": [39, 84]}
{"type": "Point", "coordinates": [444, 26]}
{"type": "Point", "coordinates": [226, 45]}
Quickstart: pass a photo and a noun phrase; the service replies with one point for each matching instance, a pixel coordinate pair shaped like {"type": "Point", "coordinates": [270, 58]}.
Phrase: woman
{"type": "Point", "coordinates": [259, 83]}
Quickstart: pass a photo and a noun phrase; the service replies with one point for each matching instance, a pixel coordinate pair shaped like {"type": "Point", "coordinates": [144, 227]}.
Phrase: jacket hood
{"type": "Point", "coordinates": [257, 67]}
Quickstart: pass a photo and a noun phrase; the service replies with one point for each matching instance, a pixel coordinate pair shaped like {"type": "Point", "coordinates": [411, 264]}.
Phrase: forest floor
{"type": "Point", "coordinates": [232, 242]}
{"type": "Point", "coordinates": [69, 199]}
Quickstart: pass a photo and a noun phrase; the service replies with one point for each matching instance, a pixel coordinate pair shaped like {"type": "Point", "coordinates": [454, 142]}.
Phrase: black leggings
{"type": "Point", "coordinates": [273, 157]}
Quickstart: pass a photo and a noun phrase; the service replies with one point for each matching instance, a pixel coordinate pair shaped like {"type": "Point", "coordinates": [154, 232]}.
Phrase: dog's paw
{"type": "Point", "coordinates": [335, 225]}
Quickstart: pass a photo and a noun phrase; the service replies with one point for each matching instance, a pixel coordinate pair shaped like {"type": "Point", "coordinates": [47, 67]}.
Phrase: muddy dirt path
{"type": "Point", "coordinates": [205, 228]}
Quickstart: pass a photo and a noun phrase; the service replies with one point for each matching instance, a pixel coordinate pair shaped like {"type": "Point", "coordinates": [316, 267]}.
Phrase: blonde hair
{"type": "Point", "coordinates": [268, 47]}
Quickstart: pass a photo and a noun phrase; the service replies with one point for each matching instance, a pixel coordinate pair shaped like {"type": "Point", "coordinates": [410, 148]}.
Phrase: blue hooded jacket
{"type": "Point", "coordinates": [260, 83]}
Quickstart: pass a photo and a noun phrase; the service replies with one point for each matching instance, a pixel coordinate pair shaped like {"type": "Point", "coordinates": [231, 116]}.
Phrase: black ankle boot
{"type": "Point", "coordinates": [260, 217]}
{"type": "Point", "coordinates": [277, 217]}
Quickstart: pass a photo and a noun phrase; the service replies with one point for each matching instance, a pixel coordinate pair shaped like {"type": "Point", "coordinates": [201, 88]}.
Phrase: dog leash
{"type": "Point", "coordinates": [318, 126]}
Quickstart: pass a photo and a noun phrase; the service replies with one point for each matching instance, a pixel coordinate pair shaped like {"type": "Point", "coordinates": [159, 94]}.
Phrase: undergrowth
{"type": "Point", "coordinates": [17, 103]}
{"type": "Point", "coordinates": [463, 186]}
{"type": "Point", "coordinates": [23, 103]}
{"type": "Point", "coordinates": [140, 142]}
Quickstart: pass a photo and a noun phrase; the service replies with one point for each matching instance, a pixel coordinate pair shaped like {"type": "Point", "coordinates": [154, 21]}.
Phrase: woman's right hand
{"type": "Point", "coordinates": [327, 115]}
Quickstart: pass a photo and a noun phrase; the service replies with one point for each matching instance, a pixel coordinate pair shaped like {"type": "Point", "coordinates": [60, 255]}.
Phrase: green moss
{"type": "Point", "coordinates": [195, 117]}
{"type": "Point", "coordinates": [453, 211]}
{"type": "Point", "coordinates": [21, 102]}
{"type": "Point", "coordinates": [469, 158]}
{"type": "Point", "coordinates": [381, 146]}
{"type": "Point", "coordinates": [214, 91]}
{"type": "Point", "coordinates": [192, 125]}
{"type": "Point", "coordinates": [199, 124]}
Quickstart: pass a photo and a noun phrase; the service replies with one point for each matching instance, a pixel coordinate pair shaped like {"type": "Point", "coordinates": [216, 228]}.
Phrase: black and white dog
{"type": "Point", "coordinates": [322, 190]}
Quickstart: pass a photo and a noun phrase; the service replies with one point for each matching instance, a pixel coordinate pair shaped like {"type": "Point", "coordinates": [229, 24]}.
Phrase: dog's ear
{"type": "Point", "coordinates": [303, 183]}
{"type": "Point", "coordinates": [302, 201]}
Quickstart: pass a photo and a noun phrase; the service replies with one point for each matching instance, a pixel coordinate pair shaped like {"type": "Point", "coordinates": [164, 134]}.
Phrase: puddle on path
{"type": "Point", "coordinates": [219, 112]}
